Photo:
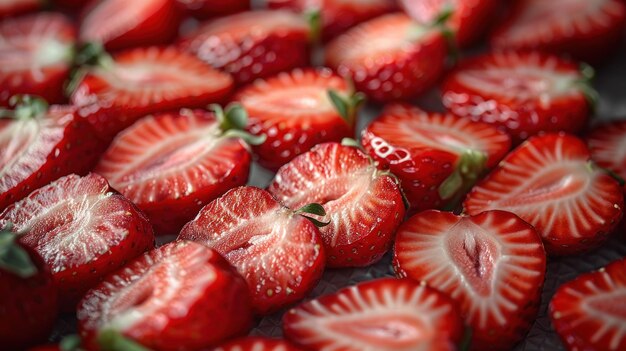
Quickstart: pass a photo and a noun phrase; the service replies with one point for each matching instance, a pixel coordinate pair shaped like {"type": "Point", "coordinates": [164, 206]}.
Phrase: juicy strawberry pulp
{"type": "Point", "coordinates": [10, 8]}
{"type": "Point", "coordinates": [81, 229]}
{"type": "Point", "coordinates": [492, 264]}
{"type": "Point", "coordinates": [252, 343]}
{"type": "Point", "coordinates": [35, 56]}
{"type": "Point", "coordinates": [385, 314]}
{"type": "Point", "coordinates": [171, 165]}
{"type": "Point", "coordinates": [389, 57]}
{"type": "Point", "coordinates": [213, 8]}
{"type": "Point", "coordinates": [278, 252]}
{"type": "Point", "coordinates": [180, 296]}
{"type": "Point", "coordinates": [550, 183]}
{"type": "Point", "coordinates": [363, 205]}
{"type": "Point", "coordinates": [607, 144]}
{"type": "Point", "coordinates": [295, 112]}
{"type": "Point", "coordinates": [253, 44]}
{"type": "Point", "coordinates": [521, 93]}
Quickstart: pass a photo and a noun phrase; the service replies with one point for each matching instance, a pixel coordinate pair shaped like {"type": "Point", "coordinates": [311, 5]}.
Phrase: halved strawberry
{"type": "Point", "coordinates": [551, 183]}
{"type": "Point", "coordinates": [122, 24]}
{"type": "Point", "coordinates": [607, 143]}
{"type": "Point", "coordinates": [521, 93]}
{"type": "Point", "coordinates": [214, 8]}
{"type": "Point", "coordinates": [36, 52]}
{"type": "Point", "coordinates": [587, 30]}
{"type": "Point", "coordinates": [277, 251]}
{"type": "Point", "coordinates": [493, 264]}
{"type": "Point", "coordinates": [82, 229]}
{"type": "Point", "coordinates": [253, 44]}
{"type": "Point", "coordinates": [172, 164]}
{"type": "Point", "coordinates": [40, 144]}
{"type": "Point", "coordinates": [118, 91]}
{"type": "Point", "coordinates": [380, 315]}
{"type": "Point", "coordinates": [253, 343]}
{"type": "Point", "coordinates": [389, 57]}
{"type": "Point", "coordinates": [364, 205]}
{"type": "Point", "coordinates": [10, 8]}
{"type": "Point", "coordinates": [297, 111]}
{"type": "Point", "coordinates": [589, 312]}
{"type": "Point", "coordinates": [467, 19]}
{"type": "Point", "coordinates": [337, 15]}
{"type": "Point", "coordinates": [437, 157]}
{"type": "Point", "coordinates": [180, 296]}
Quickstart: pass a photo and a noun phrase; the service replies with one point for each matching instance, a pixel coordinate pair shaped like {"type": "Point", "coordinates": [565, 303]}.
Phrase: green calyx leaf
{"type": "Point", "coordinates": [112, 340]}
{"type": "Point", "coordinates": [233, 121]}
{"type": "Point", "coordinates": [70, 343]}
{"type": "Point", "coordinates": [347, 106]}
{"type": "Point", "coordinates": [314, 18]}
{"type": "Point", "coordinates": [466, 340]}
{"type": "Point", "coordinates": [443, 17]}
{"type": "Point", "coordinates": [25, 107]}
{"type": "Point", "coordinates": [584, 84]}
{"type": "Point", "coordinates": [314, 209]}
{"type": "Point", "coordinates": [13, 257]}
{"type": "Point", "coordinates": [88, 55]}
{"type": "Point", "coordinates": [468, 169]}
{"type": "Point", "coordinates": [592, 166]}
{"type": "Point", "coordinates": [350, 142]}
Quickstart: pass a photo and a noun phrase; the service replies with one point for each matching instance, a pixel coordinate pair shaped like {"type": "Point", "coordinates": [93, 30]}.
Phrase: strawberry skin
{"type": "Point", "coordinates": [389, 57]}
{"type": "Point", "coordinates": [180, 296]}
{"type": "Point", "coordinates": [252, 44]}
{"type": "Point", "coordinates": [82, 229]}
{"type": "Point", "coordinates": [521, 93]}
{"type": "Point", "coordinates": [277, 251]}
{"type": "Point", "coordinates": [380, 315]}
{"type": "Point", "coordinates": [12, 8]}
{"type": "Point", "coordinates": [214, 8]}
{"type": "Point", "coordinates": [364, 205]}
{"type": "Point", "coordinates": [253, 343]}
{"type": "Point", "coordinates": [589, 32]}
{"type": "Point", "coordinates": [295, 112]}
{"type": "Point", "coordinates": [120, 24]}
{"type": "Point", "coordinates": [172, 164]}
{"type": "Point", "coordinates": [425, 149]}
{"type": "Point", "coordinates": [588, 312]}
{"type": "Point", "coordinates": [142, 81]}
{"type": "Point", "coordinates": [492, 264]}
{"type": "Point", "coordinates": [551, 183]}
{"type": "Point", "coordinates": [36, 53]}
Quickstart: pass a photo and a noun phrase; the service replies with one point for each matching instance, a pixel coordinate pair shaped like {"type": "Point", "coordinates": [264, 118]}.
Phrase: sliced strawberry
{"type": "Point", "coordinates": [521, 93]}
{"type": "Point", "coordinates": [467, 19]}
{"type": "Point", "coordinates": [337, 15]}
{"type": "Point", "coordinates": [252, 343]}
{"type": "Point", "coordinates": [277, 251]}
{"type": "Point", "coordinates": [214, 8]}
{"type": "Point", "coordinates": [10, 8]}
{"type": "Point", "coordinates": [587, 30]}
{"type": "Point", "coordinates": [364, 205]}
{"type": "Point", "coordinates": [171, 165]}
{"type": "Point", "coordinates": [550, 182]}
{"type": "Point", "coordinates": [253, 44]}
{"type": "Point", "coordinates": [437, 157]}
{"type": "Point", "coordinates": [138, 82]}
{"type": "Point", "coordinates": [389, 57]}
{"type": "Point", "coordinates": [41, 144]}
{"type": "Point", "coordinates": [81, 229]}
{"type": "Point", "coordinates": [296, 111]}
{"type": "Point", "coordinates": [180, 296]}
{"type": "Point", "coordinates": [589, 312]}
{"type": "Point", "coordinates": [36, 52]}
{"type": "Point", "coordinates": [380, 315]}
{"type": "Point", "coordinates": [492, 264]}
{"type": "Point", "coordinates": [122, 24]}
{"type": "Point", "coordinates": [607, 144]}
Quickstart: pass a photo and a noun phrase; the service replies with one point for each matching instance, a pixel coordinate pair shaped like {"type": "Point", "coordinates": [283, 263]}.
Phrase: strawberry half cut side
{"type": "Point", "coordinates": [214, 8]}
{"type": "Point", "coordinates": [492, 264]}
{"type": "Point", "coordinates": [256, 343]}
{"type": "Point", "coordinates": [180, 296]}
{"type": "Point", "coordinates": [11, 8]}
{"type": "Point", "coordinates": [607, 143]}
{"type": "Point", "coordinates": [380, 315]}
{"type": "Point", "coordinates": [277, 251]}
{"type": "Point", "coordinates": [81, 229]}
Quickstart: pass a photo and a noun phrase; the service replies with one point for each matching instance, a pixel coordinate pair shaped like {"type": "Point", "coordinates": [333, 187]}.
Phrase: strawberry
{"type": "Point", "coordinates": [39, 144]}
{"type": "Point", "coordinates": [588, 312]}
{"type": "Point", "coordinates": [180, 296]}
{"type": "Point", "coordinates": [297, 111]}
{"type": "Point", "coordinates": [337, 15]}
{"type": "Point", "coordinates": [121, 24]}
{"type": "Point", "coordinates": [437, 157]}
{"type": "Point", "coordinates": [82, 229]}
{"type": "Point", "coordinates": [276, 250]}
{"type": "Point", "coordinates": [253, 44]}
{"type": "Point", "coordinates": [584, 30]}
{"type": "Point", "coordinates": [389, 57]}
{"type": "Point", "coordinates": [172, 164]}
{"type": "Point", "coordinates": [493, 264]}
{"type": "Point", "coordinates": [550, 182]}
{"type": "Point", "coordinates": [10, 8]}
{"type": "Point", "coordinates": [380, 315]}
{"type": "Point", "coordinates": [607, 143]}
{"type": "Point", "coordinates": [28, 296]}
{"type": "Point", "coordinates": [521, 93]}
{"type": "Point", "coordinates": [214, 8]}
{"type": "Point", "coordinates": [252, 343]}
{"type": "Point", "coordinates": [117, 91]}
{"type": "Point", "coordinates": [36, 52]}
{"type": "Point", "coordinates": [364, 205]}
